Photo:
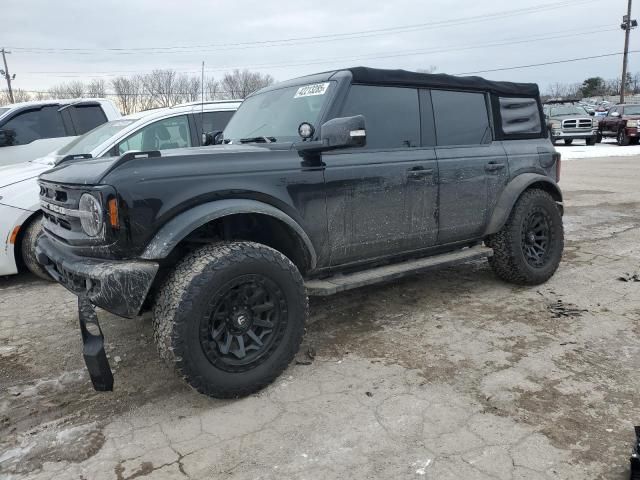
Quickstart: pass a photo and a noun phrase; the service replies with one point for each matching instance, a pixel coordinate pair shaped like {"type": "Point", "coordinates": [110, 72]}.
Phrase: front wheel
{"type": "Point", "coordinates": [623, 139]}
{"type": "Point", "coordinates": [32, 232]}
{"type": "Point", "coordinates": [598, 137]}
{"type": "Point", "coordinates": [568, 141]}
{"type": "Point", "coordinates": [230, 317]}
{"type": "Point", "coordinates": [528, 248]}
{"type": "Point", "coordinates": [591, 141]}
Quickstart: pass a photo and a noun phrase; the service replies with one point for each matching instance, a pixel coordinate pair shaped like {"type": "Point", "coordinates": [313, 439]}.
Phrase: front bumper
{"type": "Point", "coordinates": [118, 286]}
{"type": "Point", "coordinates": [574, 135]}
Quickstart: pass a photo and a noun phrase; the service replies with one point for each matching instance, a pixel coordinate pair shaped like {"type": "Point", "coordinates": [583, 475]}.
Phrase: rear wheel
{"type": "Point", "coordinates": [528, 248]}
{"type": "Point", "coordinates": [591, 141]}
{"type": "Point", "coordinates": [623, 139]}
{"type": "Point", "coordinates": [568, 141]}
{"type": "Point", "coordinates": [230, 317]}
{"type": "Point", "coordinates": [32, 232]}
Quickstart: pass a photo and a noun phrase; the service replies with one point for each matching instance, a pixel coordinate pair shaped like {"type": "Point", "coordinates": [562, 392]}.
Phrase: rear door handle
{"type": "Point", "coordinates": [418, 173]}
{"type": "Point", "coordinates": [493, 166]}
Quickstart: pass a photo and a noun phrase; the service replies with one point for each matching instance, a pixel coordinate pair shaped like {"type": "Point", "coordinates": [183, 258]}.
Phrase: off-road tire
{"type": "Point", "coordinates": [508, 260]}
{"type": "Point", "coordinates": [32, 232]}
{"type": "Point", "coordinates": [591, 141]}
{"type": "Point", "coordinates": [623, 138]}
{"type": "Point", "coordinates": [568, 141]}
{"type": "Point", "coordinates": [184, 298]}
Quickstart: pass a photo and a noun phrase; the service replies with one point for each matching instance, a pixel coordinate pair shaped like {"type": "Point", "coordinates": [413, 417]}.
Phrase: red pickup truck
{"type": "Point", "coordinates": [621, 122]}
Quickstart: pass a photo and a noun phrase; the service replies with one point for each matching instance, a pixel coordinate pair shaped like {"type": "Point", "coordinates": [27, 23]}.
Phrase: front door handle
{"type": "Point", "coordinates": [493, 166]}
{"type": "Point", "coordinates": [418, 173]}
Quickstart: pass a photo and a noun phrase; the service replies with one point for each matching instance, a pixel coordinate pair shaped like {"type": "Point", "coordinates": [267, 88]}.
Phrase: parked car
{"type": "Point", "coordinates": [32, 129]}
{"type": "Point", "coordinates": [160, 129]}
{"type": "Point", "coordinates": [322, 184]}
{"type": "Point", "coordinates": [622, 123]}
{"type": "Point", "coordinates": [568, 121]}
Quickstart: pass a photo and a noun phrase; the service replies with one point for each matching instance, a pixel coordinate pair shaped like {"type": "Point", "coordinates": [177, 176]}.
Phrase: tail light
{"type": "Point", "coordinates": [558, 159]}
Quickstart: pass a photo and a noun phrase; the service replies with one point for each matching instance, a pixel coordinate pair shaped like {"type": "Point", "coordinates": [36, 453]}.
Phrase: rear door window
{"type": "Point", "coordinates": [214, 121]}
{"type": "Point", "coordinates": [164, 134]}
{"type": "Point", "coordinates": [87, 117]}
{"type": "Point", "coordinates": [392, 116]}
{"type": "Point", "coordinates": [35, 124]}
{"type": "Point", "coordinates": [461, 118]}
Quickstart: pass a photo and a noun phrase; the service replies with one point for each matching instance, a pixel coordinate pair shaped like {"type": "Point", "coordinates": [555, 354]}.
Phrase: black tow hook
{"type": "Point", "coordinates": [93, 347]}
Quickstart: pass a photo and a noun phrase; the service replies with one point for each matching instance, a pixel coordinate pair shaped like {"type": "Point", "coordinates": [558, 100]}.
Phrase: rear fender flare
{"type": "Point", "coordinates": [512, 192]}
{"type": "Point", "coordinates": [166, 239]}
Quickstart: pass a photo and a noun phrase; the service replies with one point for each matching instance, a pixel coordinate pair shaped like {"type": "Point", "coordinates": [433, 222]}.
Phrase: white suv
{"type": "Point", "coordinates": [187, 125]}
{"type": "Point", "coordinates": [32, 129]}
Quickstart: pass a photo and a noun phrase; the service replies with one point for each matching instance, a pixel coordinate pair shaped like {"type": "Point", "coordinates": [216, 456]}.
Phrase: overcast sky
{"type": "Point", "coordinates": [421, 33]}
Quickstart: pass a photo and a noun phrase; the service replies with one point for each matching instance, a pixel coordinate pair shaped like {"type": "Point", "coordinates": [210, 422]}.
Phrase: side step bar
{"type": "Point", "coordinates": [340, 283]}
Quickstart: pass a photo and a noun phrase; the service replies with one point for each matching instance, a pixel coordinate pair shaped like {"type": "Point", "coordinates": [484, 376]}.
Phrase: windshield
{"type": "Point", "coordinates": [632, 110]}
{"type": "Point", "coordinates": [275, 115]}
{"type": "Point", "coordinates": [567, 110]}
{"type": "Point", "coordinates": [90, 140]}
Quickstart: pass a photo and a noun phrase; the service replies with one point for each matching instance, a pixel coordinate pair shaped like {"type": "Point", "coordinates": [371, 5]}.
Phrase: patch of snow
{"type": "Point", "coordinates": [608, 148]}
{"type": "Point", "coordinates": [422, 466]}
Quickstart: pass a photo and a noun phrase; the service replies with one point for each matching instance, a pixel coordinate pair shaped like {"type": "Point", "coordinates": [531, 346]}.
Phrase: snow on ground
{"type": "Point", "coordinates": [608, 148]}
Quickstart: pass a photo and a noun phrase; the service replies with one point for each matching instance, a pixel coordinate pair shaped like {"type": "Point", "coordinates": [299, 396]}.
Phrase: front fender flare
{"type": "Point", "coordinates": [186, 222]}
{"type": "Point", "coordinates": [512, 192]}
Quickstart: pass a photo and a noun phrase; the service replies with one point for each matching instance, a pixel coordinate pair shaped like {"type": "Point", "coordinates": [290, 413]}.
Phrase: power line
{"type": "Point", "coordinates": [569, 60]}
{"type": "Point", "coordinates": [311, 39]}
{"type": "Point", "coordinates": [504, 42]}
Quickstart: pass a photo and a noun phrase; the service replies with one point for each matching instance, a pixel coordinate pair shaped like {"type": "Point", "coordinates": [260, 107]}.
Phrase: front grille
{"type": "Point", "coordinates": [582, 123]}
{"type": "Point", "coordinates": [58, 203]}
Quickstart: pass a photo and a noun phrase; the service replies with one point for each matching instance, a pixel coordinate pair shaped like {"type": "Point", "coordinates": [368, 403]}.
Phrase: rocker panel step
{"type": "Point", "coordinates": [340, 283]}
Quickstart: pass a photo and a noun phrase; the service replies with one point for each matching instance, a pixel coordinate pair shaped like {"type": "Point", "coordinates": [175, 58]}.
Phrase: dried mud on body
{"type": "Point", "coordinates": [451, 374]}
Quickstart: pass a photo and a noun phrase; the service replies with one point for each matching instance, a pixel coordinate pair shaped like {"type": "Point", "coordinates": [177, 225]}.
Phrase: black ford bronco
{"type": "Point", "coordinates": [317, 185]}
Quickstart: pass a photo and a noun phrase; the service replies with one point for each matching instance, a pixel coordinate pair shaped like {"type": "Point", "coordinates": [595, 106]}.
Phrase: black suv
{"type": "Point", "coordinates": [318, 184]}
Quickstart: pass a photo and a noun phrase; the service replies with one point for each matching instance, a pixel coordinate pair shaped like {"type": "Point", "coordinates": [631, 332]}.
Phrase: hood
{"type": "Point", "coordinates": [631, 117]}
{"type": "Point", "coordinates": [93, 171]}
{"type": "Point", "coordinates": [20, 172]}
{"type": "Point", "coordinates": [572, 115]}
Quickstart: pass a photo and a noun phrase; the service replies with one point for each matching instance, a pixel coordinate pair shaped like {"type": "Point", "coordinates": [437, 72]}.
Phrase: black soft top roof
{"type": "Point", "coordinates": [375, 76]}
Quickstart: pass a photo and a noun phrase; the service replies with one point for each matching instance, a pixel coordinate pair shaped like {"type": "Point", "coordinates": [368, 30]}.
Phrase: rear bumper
{"type": "Point", "coordinates": [118, 286]}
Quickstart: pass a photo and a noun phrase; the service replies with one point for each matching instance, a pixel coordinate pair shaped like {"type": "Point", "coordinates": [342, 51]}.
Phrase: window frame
{"type": "Point", "coordinates": [34, 109]}
{"type": "Point", "coordinates": [114, 150]}
{"type": "Point", "coordinates": [490, 118]}
{"type": "Point", "coordinates": [75, 121]}
{"type": "Point", "coordinates": [339, 112]}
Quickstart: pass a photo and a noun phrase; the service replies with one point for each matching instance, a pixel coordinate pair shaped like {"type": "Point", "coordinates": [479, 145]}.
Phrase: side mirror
{"type": "Point", "coordinates": [211, 138]}
{"type": "Point", "coordinates": [7, 137]}
{"type": "Point", "coordinates": [615, 114]}
{"type": "Point", "coordinates": [591, 112]}
{"type": "Point", "coordinates": [343, 132]}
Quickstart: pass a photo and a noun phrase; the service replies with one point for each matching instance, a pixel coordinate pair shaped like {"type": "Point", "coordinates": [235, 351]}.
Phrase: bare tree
{"type": "Point", "coordinates": [73, 89]}
{"type": "Point", "coordinates": [211, 88]}
{"type": "Point", "coordinates": [240, 83]}
{"type": "Point", "coordinates": [127, 91]}
{"type": "Point", "coordinates": [162, 86]}
{"type": "Point", "coordinates": [97, 88]}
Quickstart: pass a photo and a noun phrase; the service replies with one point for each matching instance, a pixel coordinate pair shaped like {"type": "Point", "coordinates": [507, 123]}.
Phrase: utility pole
{"type": "Point", "coordinates": [626, 25]}
{"type": "Point", "coordinates": [6, 74]}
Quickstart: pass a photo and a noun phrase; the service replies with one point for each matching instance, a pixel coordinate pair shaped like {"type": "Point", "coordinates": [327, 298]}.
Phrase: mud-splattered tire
{"type": "Point", "coordinates": [32, 232]}
{"type": "Point", "coordinates": [515, 251]}
{"type": "Point", "coordinates": [195, 301]}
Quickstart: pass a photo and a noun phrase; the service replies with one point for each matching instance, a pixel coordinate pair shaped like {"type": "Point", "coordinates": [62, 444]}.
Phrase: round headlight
{"type": "Point", "coordinates": [306, 130]}
{"type": "Point", "coordinates": [90, 214]}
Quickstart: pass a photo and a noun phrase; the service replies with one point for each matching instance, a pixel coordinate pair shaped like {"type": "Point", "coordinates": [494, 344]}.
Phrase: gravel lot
{"type": "Point", "coordinates": [447, 375]}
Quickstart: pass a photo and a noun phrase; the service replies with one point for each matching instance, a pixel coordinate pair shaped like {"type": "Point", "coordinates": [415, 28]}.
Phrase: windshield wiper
{"type": "Point", "coordinates": [257, 140]}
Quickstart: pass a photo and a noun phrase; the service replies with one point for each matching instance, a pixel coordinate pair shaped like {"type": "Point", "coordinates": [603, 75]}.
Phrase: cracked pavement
{"type": "Point", "coordinates": [446, 375]}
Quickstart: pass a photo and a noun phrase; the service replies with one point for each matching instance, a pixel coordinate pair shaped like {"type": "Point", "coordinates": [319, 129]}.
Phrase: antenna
{"type": "Point", "coordinates": [203, 135]}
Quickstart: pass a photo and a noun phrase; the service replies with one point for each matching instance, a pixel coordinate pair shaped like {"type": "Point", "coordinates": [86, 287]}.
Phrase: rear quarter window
{"type": "Point", "coordinates": [520, 116]}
